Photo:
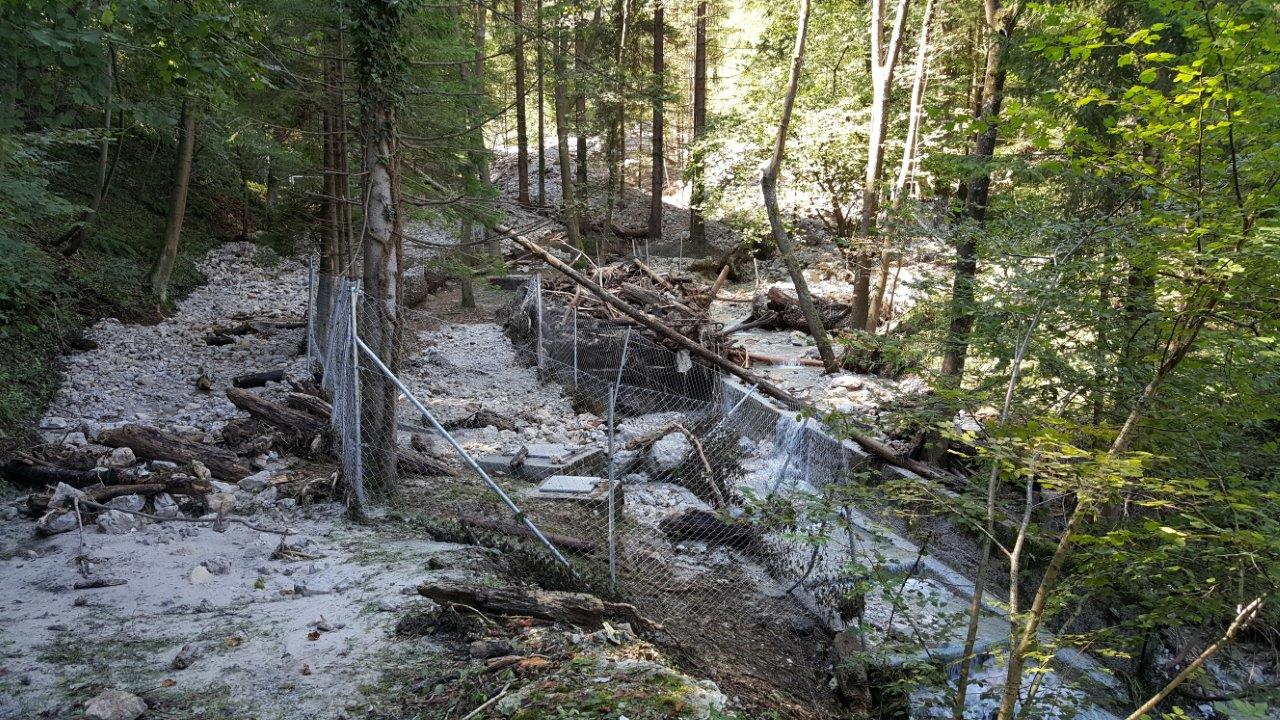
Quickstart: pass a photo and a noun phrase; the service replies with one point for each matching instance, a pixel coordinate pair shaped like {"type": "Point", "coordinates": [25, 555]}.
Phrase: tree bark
{"type": "Point", "coordinates": [1001, 21]}
{"type": "Point", "coordinates": [907, 170]}
{"type": "Point", "coordinates": [769, 186]}
{"type": "Point", "coordinates": [580, 106]}
{"type": "Point", "coordinates": [617, 126]}
{"type": "Point", "coordinates": [152, 444]}
{"type": "Point", "coordinates": [658, 173]}
{"type": "Point", "coordinates": [561, 102]}
{"type": "Point", "coordinates": [522, 130]}
{"type": "Point", "coordinates": [331, 201]}
{"type": "Point", "coordinates": [697, 192]}
{"type": "Point", "coordinates": [163, 269]}
{"type": "Point", "coordinates": [884, 60]}
{"type": "Point", "coordinates": [542, 114]}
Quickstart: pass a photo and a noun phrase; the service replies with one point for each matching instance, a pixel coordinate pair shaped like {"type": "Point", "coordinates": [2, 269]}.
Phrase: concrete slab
{"type": "Point", "coordinates": [570, 484]}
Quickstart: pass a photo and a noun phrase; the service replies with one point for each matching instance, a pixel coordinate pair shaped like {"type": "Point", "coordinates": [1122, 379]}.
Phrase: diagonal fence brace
{"type": "Point", "coordinates": [506, 499]}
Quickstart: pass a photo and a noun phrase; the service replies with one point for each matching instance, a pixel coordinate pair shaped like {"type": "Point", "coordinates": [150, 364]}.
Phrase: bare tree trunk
{"type": "Point", "coordinates": [331, 202]}
{"type": "Point", "coordinates": [883, 61]}
{"type": "Point", "coordinates": [580, 105]}
{"type": "Point", "coordinates": [481, 156]}
{"type": "Point", "coordinates": [769, 186]}
{"type": "Point", "coordinates": [542, 113]}
{"type": "Point", "coordinates": [346, 227]}
{"type": "Point", "coordinates": [697, 192]}
{"type": "Point", "coordinates": [906, 172]}
{"type": "Point", "coordinates": [658, 178]}
{"type": "Point", "coordinates": [522, 130]}
{"type": "Point", "coordinates": [163, 269]}
{"type": "Point", "coordinates": [106, 168]}
{"type": "Point", "coordinates": [1001, 20]}
{"type": "Point", "coordinates": [561, 102]}
{"type": "Point", "coordinates": [618, 125]}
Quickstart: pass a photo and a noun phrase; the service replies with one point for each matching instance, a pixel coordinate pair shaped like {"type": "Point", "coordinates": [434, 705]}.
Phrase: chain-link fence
{"type": "Point", "coordinates": [727, 520]}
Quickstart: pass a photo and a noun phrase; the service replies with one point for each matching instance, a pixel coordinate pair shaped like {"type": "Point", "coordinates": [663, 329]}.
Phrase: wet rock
{"type": "Point", "coordinates": [187, 656]}
{"type": "Point", "coordinates": [114, 522]}
{"type": "Point", "coordinates": [115, 705]}
{"type": "Point", "coordinates": [121, 457]}
{"type": "Point", "coordinates": [130, 503]}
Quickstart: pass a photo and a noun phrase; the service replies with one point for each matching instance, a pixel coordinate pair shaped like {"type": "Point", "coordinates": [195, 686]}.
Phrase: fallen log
{"type": "Point", "coordinates": [152, 444]}
{"type": "Point", "coordinates": [39, 502]}
{"type": "Point", "coordinates": [409, 462]}
{"type": "Point", "coordinates": [26, 473]}
{"type": "Point", "coordinates": [309, 404]}
{"type": "Point", "coordinates": [870, 444]}
{"type": "Point", "coordinates": [301, 428]}
{"type": "Point", "coordinates": [218, 339]}
{"type": "Point", "coordinates": [784, 313]}
{"type": "Point", "coordinates": [258, 379]}
{"type": "Point", "coordinates": [564, 542]}
{"type": "Point", "coordinates": [482, 418]}
{"type": "Point", "coordinates": [568, 607]}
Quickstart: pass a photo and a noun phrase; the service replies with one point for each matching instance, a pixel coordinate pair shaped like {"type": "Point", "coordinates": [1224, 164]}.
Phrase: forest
{"type": "Point", "coordinates": [640, 359]}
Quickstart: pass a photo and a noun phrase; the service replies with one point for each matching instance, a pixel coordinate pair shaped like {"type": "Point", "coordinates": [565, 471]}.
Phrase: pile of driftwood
{"type": "Point", "coordinates": [679, 301]}
{"type": "Point", "coordinates": [191, 470]}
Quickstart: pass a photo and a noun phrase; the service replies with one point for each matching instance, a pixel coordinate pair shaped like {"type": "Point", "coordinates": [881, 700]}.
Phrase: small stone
{"type": "Point", "coordinates": [489, 648]}
{"type": "Point", "coordinates": [8, 512]}
{"type": "Point", "coordinates": [218, 565]}
{"type": "Point", "coordinates": [115, 705]}
{"type": "Point", "coordinates": [848, 382]}
{"type": "Point", "coordinates": [59, 523]}
{"type": "Point", "coordinates": [166, 506]}
{"type": "Point", "coordinates": [200, 575]}
{"type": "Point", "coordinates": [163, 465]}
{"type": "Point", "coordinates": [266, 498]}
{"type": "Point", "coordinates": [76, 438]}
{"type": "Point", "coordinates": [63, 495]}
{"type": "Point", "coordinates": [53, 423]}
{"type": "Point", "coordinates": [670, 451]}
{"type": "Point", "coordinates": [187, 656]}
{"type": "Point", "coordinates": [128, 503]}
{"type": "Point", "coordinates": [256, 482]}
{"type": "Point", "coordinates": [114, 522]}
{"type": "Point", "coordinates": [201, 472]}
{"type": "Point", "coordinates": [121, 457]}
{"type": "Point", "coordinates": [219, 486]}
{"type": "Point", "coordinates": [391, 603]}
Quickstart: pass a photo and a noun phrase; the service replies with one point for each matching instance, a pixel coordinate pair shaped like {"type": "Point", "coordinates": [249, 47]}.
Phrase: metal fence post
{"type": "Point", "coordinates": [538, 302]}
{"type": "Point", "coordinates": [311, 313]}
{"type": "Point", "coordinates": [575, 348]}
{"type": "Point", "coordinates": [613, 481]}
{"type": "Point", "coordinates": [357, 408]}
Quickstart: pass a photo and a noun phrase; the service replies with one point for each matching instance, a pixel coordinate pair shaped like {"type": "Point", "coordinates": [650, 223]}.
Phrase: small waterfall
{"type": "Point", "coordinates": [789, 466]}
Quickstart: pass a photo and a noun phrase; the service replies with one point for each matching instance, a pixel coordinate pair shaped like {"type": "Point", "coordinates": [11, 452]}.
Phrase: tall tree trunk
{"type": "Point", "coordinates": [580, 103]}
{"type": "Point", "coordinates": [697, 192]}
{"type": "Point", "coordinates": [561, 102]}
{"type": "Point", "coordinates": [617, 124]}
{"type": "Point", "coordinates": [163, 268]}
{"type": "Point", "coordinates": [522, 130]}
{"type": "Point", "coordinates": [75, 238]}
{"type": "Point", "coordinates": [769, 187]}
{"type": "Point", "coordinates": [346, 226]}
{"type": "Point", "coordinates": [542, 113]}
{"type": "Point", "coordinates": [481, 155]}
{"type": "Point", "coordinates": [331, 200]}
{"type": "Point", "coordinates": [906, 171]}
{"type": "Point", "coordinates": [658, 178]}
{"type": "Point", "coordinates": [883, 61]}
{"type": "Point", "coordinates": [377, 47]}
{"type": "Point", "coordinates": [1001, 21]}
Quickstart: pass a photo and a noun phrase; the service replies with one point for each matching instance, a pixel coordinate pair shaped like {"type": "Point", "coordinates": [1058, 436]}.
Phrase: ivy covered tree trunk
{"type": "Point", "coordinates": [163, 269]}
{"type": "Point", "coordinates": [377, 47]}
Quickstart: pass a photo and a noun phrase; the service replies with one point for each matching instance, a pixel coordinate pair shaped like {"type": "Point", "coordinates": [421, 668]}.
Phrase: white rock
{"type": "Point", "coordinates": [131, 503]}
{"type": "Point", "coordinates": [670, 451]}
{"type": "Point", "coordinates": [201, 472]}
{"type": "Point", "coordinates": [266, 498]}
{"type": "Point", "coordinates": [200, 575]}
{"type": "Point", "coordinates": [115, 705]}
{"type": "Point", "coordinates": [63, 495]}
{"type": "Point", "coordinates": [114, 522]}
{"type": "Point", "coordinates": [53, 423]}
{"type": "Point", "coordinates": [256, 482]}
{"type": "Point", "coordinates": [222, 487]}
{"type": "Point", "coordinates": [76, 438]}
{"type": "Point", "coordinates": [848, 382]}
{"type": "Point", "coordinates": [166, 506]}
{"type": "Point", "coordinates": [121, 457]}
